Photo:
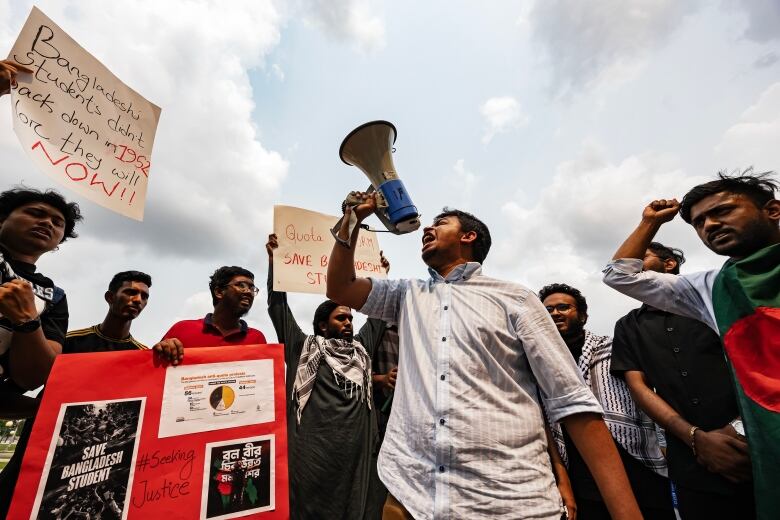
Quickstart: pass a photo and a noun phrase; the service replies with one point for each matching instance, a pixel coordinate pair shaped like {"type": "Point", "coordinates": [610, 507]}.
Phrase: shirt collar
{"type": "Point", "coordinates": [208, 323]}
{"type": "Point", "coordinates": [462, 272]}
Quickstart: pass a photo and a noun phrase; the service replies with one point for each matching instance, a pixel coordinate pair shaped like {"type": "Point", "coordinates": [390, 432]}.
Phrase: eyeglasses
{"type": "Point", "coordinates": [245, 287]}
{"type": "Point", "coordinates": [561, 307]}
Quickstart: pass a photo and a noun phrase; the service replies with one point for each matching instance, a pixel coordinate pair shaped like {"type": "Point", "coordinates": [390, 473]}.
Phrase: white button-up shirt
{"type": "Point", "coordinates": [466, 434]}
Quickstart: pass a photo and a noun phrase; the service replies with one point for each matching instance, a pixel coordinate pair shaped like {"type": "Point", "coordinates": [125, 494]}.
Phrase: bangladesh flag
{"type": "Point", "coordinates": [746, 301]}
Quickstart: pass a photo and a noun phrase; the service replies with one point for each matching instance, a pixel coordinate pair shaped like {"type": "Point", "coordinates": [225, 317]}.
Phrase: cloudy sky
{"type": "Point", "coordinates": [554, 121]}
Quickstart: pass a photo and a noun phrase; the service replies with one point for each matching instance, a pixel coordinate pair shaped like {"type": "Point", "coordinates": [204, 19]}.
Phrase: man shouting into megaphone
{"type": "Point", "coordinates": [466, 438]}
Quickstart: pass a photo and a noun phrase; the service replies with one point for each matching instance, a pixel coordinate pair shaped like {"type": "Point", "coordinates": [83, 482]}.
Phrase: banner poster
{"type": "Point", "coordinates": [121, 436]}
{"type": "Point", "coordinates": [78, 122]}
{"type": "Point", "coordinates": [305, 243]}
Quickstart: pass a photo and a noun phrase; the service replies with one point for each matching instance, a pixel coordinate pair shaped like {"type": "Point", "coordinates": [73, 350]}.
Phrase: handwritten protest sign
{"type": "Point", "coordinates": [78, 122]}
{"type": "Point", "coordinates": [305, 243]}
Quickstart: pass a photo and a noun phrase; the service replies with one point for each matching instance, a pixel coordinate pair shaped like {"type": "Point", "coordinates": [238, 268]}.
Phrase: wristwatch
{"type": "Point", "coordinates": [738, 426]}
{"type": "Point", "coordinates": [27, 326]}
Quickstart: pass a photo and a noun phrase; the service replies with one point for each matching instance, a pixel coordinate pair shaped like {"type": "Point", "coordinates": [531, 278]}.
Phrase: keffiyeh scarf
{"type": "Point", "coordinates": [349, 361]}
{"type": "Point", "coordinates": [629, 426]}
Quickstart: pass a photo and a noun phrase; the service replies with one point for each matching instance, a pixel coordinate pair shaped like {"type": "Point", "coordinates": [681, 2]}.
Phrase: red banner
{"type": "Point", "coordinates": [120, 435]}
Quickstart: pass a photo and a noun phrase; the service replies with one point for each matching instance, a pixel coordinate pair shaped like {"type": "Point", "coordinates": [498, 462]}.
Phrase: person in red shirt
{"type": "Point", "coordinates": [232, 291]}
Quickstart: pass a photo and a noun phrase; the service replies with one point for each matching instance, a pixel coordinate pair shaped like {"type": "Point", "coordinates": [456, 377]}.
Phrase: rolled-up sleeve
{"type": "Point", "coordinates": [563, 390]}
{"type": "Point", "coordinates": [384, 300]}
{"type": "Point", "coordinates": [686, 295]}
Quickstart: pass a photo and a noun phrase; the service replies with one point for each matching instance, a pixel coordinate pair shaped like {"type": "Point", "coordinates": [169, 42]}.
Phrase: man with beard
{"type": "Point", "coordinates": [332, 427]}
{"type": "Point", "coordinates": [677, 374]}
{"type": "Point", "coordinates": [232, 292]}
{"type": "Point", "coordinates": [734, 216]}
{"type": "Point", "coordinates": [466, 438]}
{"type": "Point", "coordinates": [633, 431]}
{"type": "Point", "coordinates": [33, 311]}
{"type": "Point", "coordinates": [127, 296]}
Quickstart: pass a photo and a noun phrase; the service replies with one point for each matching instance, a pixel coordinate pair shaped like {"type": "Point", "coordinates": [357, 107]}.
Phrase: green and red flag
{"type": "Point", "coordinates": [746, 301]}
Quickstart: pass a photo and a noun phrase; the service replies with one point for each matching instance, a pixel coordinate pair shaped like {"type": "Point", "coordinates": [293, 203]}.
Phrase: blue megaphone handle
{"type": "Point", "coordinates": [399, 204]}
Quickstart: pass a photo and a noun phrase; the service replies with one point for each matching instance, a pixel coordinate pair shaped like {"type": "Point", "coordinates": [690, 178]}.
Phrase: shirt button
{"type": "Point", "coordinates": [444, 339]}
{"type": "Point", "coordinates": [446, 307]}
{"type": "Point", "coordinates": [669, 329]}
{"type": "Point", "coordinates": [684, 373]}
{"type": "Point", "coordinates": [442, 421]}
{"type": "Point", "coordinates": [676, 350]}
{"type": "Point", "coordinates": [695, 400]}
{"type": "Point", "coordinates": [442, 377]}
{"type": "Point", "coordinates": [441, 469]}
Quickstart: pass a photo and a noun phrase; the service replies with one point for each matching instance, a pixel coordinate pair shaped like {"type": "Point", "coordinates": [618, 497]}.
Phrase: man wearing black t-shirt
{"type": "Point", "coordinates": [33, 311]}
{"type": "Point", "coordinates": [677, 373]}
{"type": "Point", "coordinates": [127, 295]}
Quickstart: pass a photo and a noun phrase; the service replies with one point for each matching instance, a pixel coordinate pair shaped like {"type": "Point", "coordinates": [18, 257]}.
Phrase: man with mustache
{"type": "Point", "coordinates": [634, 433]}
{"type": "Point", "coordinates": [127, 296]}
{"type": "Point", "coordinates": [33, 311]}
{"type": "Point", "coordinates": [738, 217]}
{"type": "Point", "coordinates": [466, 438]}
{"type": "Point", "coordinates": [332, 427]}
{"type": "Point", "coordinates": [233, 292]}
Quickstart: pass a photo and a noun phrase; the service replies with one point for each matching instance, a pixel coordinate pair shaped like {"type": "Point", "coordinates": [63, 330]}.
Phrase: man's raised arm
{"type": "Point", "coordinates": [344, 287]}
{"type": "Point", "coordinates": [654, 216]}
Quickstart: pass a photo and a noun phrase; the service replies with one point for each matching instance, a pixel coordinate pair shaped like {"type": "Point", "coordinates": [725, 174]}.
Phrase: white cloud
{"type": "Point", "coordinates": [277, 71]}
{"type": "Point", "coordinates": [212, 182]}
{"type": "Point", "coordinates": [600, 40]}
{"type": "Point", "coordinates": [347, 20]}
{"type": "Point", "coordinates": [753, 140]}
{"type": "Point", "coordinates": [582, 216]}
{"type": "Point", "coordinates": [466, 182]}
{"type": "Point", "coordinates": [501, 114]}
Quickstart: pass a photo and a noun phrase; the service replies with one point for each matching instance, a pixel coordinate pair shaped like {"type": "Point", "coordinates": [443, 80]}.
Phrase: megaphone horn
{"type": "Point", "coordinates": [370, 148]}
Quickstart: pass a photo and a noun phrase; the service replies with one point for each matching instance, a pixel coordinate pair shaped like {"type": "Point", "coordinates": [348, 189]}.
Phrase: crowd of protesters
{"type": "Point", "coordinates": [487, 399]}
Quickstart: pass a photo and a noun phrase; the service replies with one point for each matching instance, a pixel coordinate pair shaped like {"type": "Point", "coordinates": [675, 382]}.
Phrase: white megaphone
{"type": "Point", "coordinates": [370, 148]}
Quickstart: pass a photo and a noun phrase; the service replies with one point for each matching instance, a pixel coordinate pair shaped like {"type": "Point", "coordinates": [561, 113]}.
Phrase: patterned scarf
{"type": "Point", "coordinates": [629, 426]}
{"type": "Point", "coordinates": [348, 360]}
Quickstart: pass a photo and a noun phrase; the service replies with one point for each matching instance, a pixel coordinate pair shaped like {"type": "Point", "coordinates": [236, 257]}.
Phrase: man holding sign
{"type": "Point", "coordinates": [332, 428]}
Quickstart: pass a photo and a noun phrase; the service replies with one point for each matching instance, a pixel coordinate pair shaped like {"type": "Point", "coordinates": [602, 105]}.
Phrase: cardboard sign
{"type": "Point", "coordinates": [78, 122]}
{"type": "Point", "coordinates": [305, 243]}
{"type": "Point", "coordinates": [98, 444]}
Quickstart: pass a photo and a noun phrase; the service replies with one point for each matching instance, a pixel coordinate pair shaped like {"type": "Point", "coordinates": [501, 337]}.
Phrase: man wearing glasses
{"type": "Point", "coordinates": [232, 291]}
{"type": "Point", "coordinates": [633, 431]}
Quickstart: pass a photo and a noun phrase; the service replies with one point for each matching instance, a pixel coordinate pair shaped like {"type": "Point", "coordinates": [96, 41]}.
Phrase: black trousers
{"type": "Point", "coordinates": [597, 510]}
{"type": "Point", "coordinates": [694, 504]}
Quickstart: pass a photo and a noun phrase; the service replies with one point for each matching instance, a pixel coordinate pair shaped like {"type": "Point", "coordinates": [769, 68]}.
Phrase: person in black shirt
{"type": "Point", "coordinates": [677, 373]}
{"type": "Point", "coordinates": [127, 296]}
{"type": "Point", "coordinates": [33, 311]}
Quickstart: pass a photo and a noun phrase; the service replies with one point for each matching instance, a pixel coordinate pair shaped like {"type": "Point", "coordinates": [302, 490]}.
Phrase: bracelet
{"type": "Point", "coordinates": [693, 438]}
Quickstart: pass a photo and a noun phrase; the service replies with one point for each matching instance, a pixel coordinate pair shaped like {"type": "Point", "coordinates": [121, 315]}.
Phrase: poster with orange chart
{"type": "Point", "coordinates": [121, 435]}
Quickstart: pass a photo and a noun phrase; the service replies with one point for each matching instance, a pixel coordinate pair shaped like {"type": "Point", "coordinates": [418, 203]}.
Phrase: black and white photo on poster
{"type": "Point", "coordinates": [239, 478]}
{"type": "Point", "coordinates": [91, 459]}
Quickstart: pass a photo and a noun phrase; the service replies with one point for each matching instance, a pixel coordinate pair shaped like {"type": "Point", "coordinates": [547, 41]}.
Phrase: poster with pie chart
{"type": "Point", "coordinates": [214, 396]}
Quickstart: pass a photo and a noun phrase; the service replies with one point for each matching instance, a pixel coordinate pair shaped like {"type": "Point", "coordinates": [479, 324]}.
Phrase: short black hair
{"type": "Point", "coordinates": [128, 276]}
{"type": "Point", "coordinates": [323, 314]}
{"type": "Point", "coordinates": [667, 252]}
{"type": "Point", "coordinates": [17, 197]}
{"type": "Point", "coordinates": [222, 277]}
{"type": "Point", "coordinates": [582, 303]}
{"type": "Point", "coordinates": [758, 187]}
{"type": "Point", "coordinates": [468, 222]}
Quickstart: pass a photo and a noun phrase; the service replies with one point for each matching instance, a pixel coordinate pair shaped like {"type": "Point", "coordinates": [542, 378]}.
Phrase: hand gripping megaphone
{"type": "Point", "coordinates": [370, 148]}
